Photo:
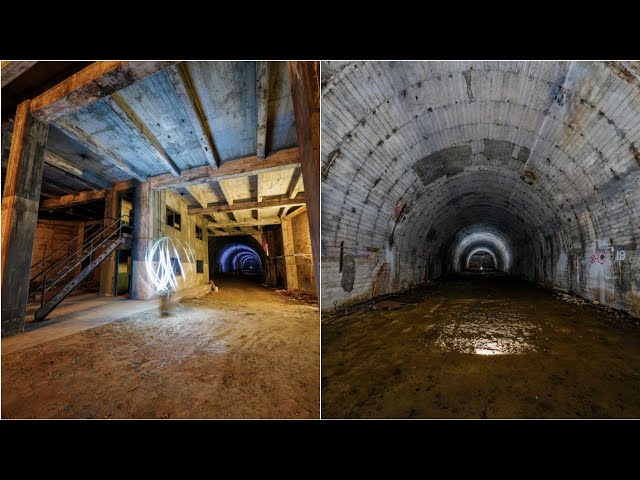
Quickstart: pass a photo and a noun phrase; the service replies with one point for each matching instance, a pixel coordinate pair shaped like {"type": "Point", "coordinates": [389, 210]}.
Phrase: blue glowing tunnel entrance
{"type": "Point", "coordinates": [239, 258]}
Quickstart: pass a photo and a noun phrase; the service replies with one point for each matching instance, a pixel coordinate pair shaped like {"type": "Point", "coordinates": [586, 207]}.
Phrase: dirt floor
{"type": "Point", "coordinates": [243, 352]}
{"type": "Point", "coordinates": [481, 347]}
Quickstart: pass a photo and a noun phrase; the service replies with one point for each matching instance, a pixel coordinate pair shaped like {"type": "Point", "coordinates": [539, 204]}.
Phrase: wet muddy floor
{"type": "Point", "coordinates": [243, 352]}
{"type": "Point", "coordinates": [481, 347]}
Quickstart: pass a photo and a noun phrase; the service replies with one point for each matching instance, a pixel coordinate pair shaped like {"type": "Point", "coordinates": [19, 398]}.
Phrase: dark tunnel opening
{"type": "Point", "coordinates": [237, 256]}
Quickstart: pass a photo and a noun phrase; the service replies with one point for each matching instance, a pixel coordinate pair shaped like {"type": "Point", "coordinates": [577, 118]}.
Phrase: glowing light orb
{"type": "Point", "coordinates": [164, 260]}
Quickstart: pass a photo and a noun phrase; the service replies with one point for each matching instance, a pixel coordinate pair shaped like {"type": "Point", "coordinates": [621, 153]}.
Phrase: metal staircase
{"type": "Point", "coordinates": [55, 281]}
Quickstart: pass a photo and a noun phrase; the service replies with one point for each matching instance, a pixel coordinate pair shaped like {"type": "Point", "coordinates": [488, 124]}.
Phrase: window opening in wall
{"type": "Point", "coordinates": [198, 233]}
{"type": "Point", "coordinates": [341, 255]}
{"type": "Point", "coordinates": [175, 264]}
{"type": "Point", "coordinates": [174, 219]}
{"type": "Point", "coordinates": [199, 266]}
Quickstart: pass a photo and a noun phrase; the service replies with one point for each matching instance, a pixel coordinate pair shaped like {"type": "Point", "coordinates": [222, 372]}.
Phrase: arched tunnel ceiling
{"type": "Point", "coordinates": [414, 152]}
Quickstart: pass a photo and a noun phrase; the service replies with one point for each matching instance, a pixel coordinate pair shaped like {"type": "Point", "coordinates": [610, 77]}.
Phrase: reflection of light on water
{"type": "Point", "coordinates": [475, 332]}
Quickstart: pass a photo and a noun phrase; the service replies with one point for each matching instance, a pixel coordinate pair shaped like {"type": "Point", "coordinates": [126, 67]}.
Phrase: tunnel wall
{"type": "Point", "coordinates": [544, 152]}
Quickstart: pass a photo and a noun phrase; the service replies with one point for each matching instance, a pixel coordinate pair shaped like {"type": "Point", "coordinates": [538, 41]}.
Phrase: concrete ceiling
{"type": "Point", "coordinates": [415, 152]}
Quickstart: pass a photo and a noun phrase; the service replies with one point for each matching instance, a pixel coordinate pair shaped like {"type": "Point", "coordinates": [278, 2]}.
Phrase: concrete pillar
{"type": "Point", "coordinates": [20, 201]}
{"type": "Point", "coordinates": [108, 267]}
{"type": "Point", "coordinates": [305, 91]}
{"type": "Point", "coordinates": [143, 232]}
{"type": "Point", "coordinates": [291, 276]}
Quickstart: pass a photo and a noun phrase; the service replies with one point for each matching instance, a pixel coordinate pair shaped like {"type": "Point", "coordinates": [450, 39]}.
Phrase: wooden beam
{"type": "Point", "coordinates": [197, 192]}
{"type": "Point", "coordinates": [70, 200]}
{"type": "Point", "coordinates": [297, 212]}
{"type": "Point", "coordinates": [232, 169]}
{"type": "Point", "coordinates": [259, 187]}
{"type": "Point", "coordinates": [86, 140]}
{"type": "Point", "coordinates": [262, 107]}
{"type": "Point", "coordinates": [296, 183]}
{"type": "Point", "coordinates": [234, 233]}
{"type": "Point", "coordinates": [128, 116]}
{"type": "Point", "coordinates": [246, 223]}
{"type": "Point", "coordinates": [291, 270]}
{"type": "Point", "coordinates": [271, 202]}
{"type": "Point", "coordinates": [226, 191]}
{"type": "Point", "coordinates": [11, 70]}
{"type": "Point", "coordinates": [90, 84]}
{"type": "Point", "coordinates": [304, 78]}
{"type": "Point", "coordinates": [183, 84]}
{"type": "Point", "coordinates": [56, 160]}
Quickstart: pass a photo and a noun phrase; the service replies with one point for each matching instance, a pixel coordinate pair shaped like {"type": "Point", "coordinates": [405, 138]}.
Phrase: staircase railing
{"type": "Point", "coordinates": [62, 267]}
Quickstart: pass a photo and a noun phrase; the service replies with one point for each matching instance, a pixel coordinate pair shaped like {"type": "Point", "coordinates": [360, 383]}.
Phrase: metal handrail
{"type": "Point", "coordinates": [66, 259]}
{"type": "Point", "coordinates": [74, 239]}
{"type": "Point", "coordinates": [44, 288]}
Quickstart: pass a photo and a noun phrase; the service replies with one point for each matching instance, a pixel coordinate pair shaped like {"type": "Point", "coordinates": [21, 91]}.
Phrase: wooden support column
{"type": "Point", "coordinates": [20, 201]}
{"type": "Point", "coordinates": [289, 255]}
{"type": "Point", "coordinates": [79, 242]}
{"type": "Point", "coordinates": [108, 267]}
{"type": "Point", "coordinates": [305, 91]}
{"type": "Point", "coordinates": [142, 231]}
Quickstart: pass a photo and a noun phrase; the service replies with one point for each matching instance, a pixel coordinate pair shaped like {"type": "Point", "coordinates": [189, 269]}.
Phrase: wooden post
{"type": "Point", "coordinates": [305, 91]}
{"type": "Point", "coordinates": [142, 231]}
{"type": "Point", "coordinates": [108, 268]}
{"type": "Point", "coordinates": [20, 214]}
{"type": "Point", "coordinates": [289, 255]}
{"type": "Point", "coordinates": [79, 242]}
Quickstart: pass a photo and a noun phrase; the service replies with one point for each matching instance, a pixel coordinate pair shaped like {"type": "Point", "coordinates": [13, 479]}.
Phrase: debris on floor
{"type": "Point", "coordinates": [388, 304]}
{"type": "Point", "coordinates": [298, 296]}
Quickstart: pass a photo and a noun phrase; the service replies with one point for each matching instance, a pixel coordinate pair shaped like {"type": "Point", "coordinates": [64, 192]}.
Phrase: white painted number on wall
{"type": "Point", "coordinates": [621, 255]}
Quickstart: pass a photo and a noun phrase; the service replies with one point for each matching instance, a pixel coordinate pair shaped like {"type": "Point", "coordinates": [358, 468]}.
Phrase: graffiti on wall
{"type": "Point", "coordinates": [599, 257]}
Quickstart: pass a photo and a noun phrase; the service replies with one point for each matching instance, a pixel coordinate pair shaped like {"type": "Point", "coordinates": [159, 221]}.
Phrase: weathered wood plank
{"type": "Point", "coordinates": [181, 81]}
{"type": "Point", "coordinates": [198, 194]}
{"type": "Point", "coordinates": [90, 84]}
{"type": "Point", "coordinates": [226, 191]}
{"type": "Point", "coordinates": [126, 114]}
{"type": "Point", "coordinates": [271, 202]}
{"type": "Point", "coordinates": [291, 271]}
{"type": "Point", "coordinates": [246, 223]}
{"type": "Point", "coordinates": [305, 91]}
{"type": "Point", "coordinates": [13, 69]}
{"type": "Point", "coordinates": [231, 169]}
{"type": "Point", "coordinates": [296, 183]}
{"type": "Point", "coordinates": [297, 212]}
{"type": "Point", "coordinates": [87, 141]}
{"type": "Point", "coordinates": [70, 200]}
{"type": "Point", "coordinates": [262, 107]}
{"type": "Point", "coordinates": [233, 233]}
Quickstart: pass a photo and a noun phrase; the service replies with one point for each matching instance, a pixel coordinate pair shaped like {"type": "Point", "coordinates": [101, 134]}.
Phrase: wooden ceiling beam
{"type": "Point", "coordinates": [183, 85]}
{"type": "Point", "coordinates": [87, 141]}
{"type": "Point", "coordinates": [296, 184]}
{"type": "Point", "coordinates": [128, 116]}
{"type": "Point", "coordinates": [240, 167]}
{"type": "Point", "coordinates": [98, 80]}
{"type": "Point", "coordinates": [271, 202]}
{"type": "Point", "coordinates": [262, 107]}
{"type": "Point", "coordinates": [71, 200]}
{"type": "Point", "coordinates": [246, 223]}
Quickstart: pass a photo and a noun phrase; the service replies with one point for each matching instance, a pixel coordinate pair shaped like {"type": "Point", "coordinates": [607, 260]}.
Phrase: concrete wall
{"type": "Point", "coordinates": [304, 261]}
{"type": "Point", "coordinates": [546, 153]}
{"type": "Point", "coordinates": [187, 234]}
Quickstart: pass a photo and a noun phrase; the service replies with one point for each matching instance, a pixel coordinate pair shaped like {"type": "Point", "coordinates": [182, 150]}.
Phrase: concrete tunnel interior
{"type": "Point", "coordinates": [536, 163]}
